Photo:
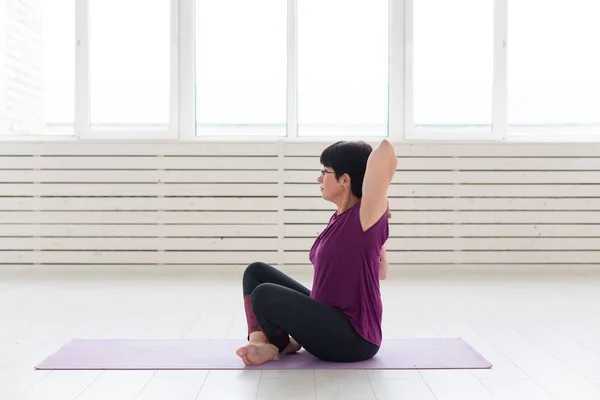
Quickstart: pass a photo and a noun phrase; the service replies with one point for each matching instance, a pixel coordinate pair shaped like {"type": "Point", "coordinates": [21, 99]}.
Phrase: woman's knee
{"type": "Point", "coordinates": [250, 278]}
{"type": "Point", "coordinates": [264, 295]}
{"type": "Point", "coordinates": [254, 269]}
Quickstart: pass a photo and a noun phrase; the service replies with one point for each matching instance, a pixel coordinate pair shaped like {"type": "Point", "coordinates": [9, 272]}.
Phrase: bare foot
{"type": "Point", "coordinates": [292, 347]}
{"type": "Point", "coordinates": [257, 353]}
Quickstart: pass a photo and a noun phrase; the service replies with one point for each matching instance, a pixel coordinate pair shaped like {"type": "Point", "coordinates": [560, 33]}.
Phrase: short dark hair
{"type": "Point", "coordinates": [348, 157]}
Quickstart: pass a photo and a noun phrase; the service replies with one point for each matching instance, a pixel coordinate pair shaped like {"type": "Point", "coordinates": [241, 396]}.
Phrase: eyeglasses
{"type": "Point", "coordinates": [324, 171]}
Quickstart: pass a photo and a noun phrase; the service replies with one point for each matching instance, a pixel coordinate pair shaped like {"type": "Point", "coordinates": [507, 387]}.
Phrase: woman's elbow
{"type": "Point", "coordinates": [387, 148]}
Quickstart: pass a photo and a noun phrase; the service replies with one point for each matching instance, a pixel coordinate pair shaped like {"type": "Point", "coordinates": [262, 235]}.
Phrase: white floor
{"type": "Point", "coordinates": [541, 332]}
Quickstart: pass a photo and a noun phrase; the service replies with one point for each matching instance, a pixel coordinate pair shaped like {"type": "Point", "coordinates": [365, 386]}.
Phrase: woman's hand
{"type": "Point", "coordinates": [383, 269]}
{"type": "Point", "coordinates": [389, 214]}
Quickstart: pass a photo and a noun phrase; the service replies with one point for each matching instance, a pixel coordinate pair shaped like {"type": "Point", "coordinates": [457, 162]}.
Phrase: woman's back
{"type": "Point", "coordinates": [346, 262]}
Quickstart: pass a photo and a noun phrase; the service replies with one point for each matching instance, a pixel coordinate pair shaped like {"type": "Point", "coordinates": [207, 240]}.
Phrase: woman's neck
{"type": "Point", "coordinates": [346, 204]}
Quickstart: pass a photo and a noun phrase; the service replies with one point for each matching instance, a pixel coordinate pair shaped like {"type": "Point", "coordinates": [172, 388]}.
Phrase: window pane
{"type": "Point", "coordinates": [130, 59]}
{"type": "Point", "coordinates": [37, 66]}
{"type": "Point", "coordinates": [58, 31]}
{"type": "Point", "coordinates": [453, 62]}
{"type": "Point", "coordinates": [241, 66]}
{"type": "Point", "coordinates": [342, 67]}
{"type": "Point", "coordinates": [553, 62]}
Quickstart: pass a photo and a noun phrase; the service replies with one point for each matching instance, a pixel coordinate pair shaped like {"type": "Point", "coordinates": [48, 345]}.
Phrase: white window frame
{"type": "Point", "coordinates": [500, 129]}
{"type": "Point", "coordinates": [83, 127]}
{"type": "Point", "coordinates": [182, 125]}
{"type": "Point", "coordinates": [395, 80]}
{"type": "Point", "coordinates": [497, 130]}
{"type": "Point", "coordinates": [292, 71]}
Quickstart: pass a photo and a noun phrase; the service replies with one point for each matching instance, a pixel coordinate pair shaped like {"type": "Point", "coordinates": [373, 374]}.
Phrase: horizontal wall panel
{"type": "Point", "coordinates": [142, 230]}
{"type": "Point", "coordinates": [456, 217]}
{"type": "Point", "coordinates": [268, 147]}
{"type": "Point", "coordinates": [470, 257]}
{"type": "Point", "coordinates": [452, 190]}
{"type": "Point", "coordinates": [406, 203]}
{"type": "Point", "coordinates": [469, 244]}
{"type": "Point", "coordinates": [471, 230]}
{"type": "Point", "coordinates": [468, 164]}
{"type": "Point", "coordinates": [469, 177]}
{"type": "Point", "coordinates": [139, 203]}
{"type": "Point", "coordinates": [302, 230]}
{"type": "Point", "coordinates": [312, 149]}
{"type": "Point", "coordinates": [493, 257]}
{"type": "Point", "coordinates": [462, 149]}
{"type": "Point", "coordinates": [140, 189]}
{"type": "Point", "coordinates": [230, 202]}
{"type": "Point", "coordinates": [396, 268]}
{"type": "Point", "coordinates": [146, 176]}
{"type": "Point", "coordinates": [136, 257]}
{"type": "Point", "coordinates": [109, 244]}
{"type": "Point", "coordinates": [104, 148]}
{"type": "Point", "coordinates": [242, 176]}
{"type": "Point", "coordinates": [133, 162]}
{"type": "Point", "coordinates": [138, 217]}
{"type": "Point", "coordinates": [305, 190]}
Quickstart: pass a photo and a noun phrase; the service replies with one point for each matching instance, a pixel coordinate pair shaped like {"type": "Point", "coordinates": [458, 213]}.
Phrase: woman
{"type": "Point", "coordinates": [340, 319]}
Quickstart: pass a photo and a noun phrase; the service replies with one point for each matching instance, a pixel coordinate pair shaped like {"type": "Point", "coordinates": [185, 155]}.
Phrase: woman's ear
{"type": "Point", "coordinates": [345, 179]}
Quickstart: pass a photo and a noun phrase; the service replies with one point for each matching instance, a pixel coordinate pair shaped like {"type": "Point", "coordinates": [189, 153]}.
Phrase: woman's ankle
{"type": "Point", "coordinates": [258, 337]}
{"type": "Point", "coordinates": [292, 347]}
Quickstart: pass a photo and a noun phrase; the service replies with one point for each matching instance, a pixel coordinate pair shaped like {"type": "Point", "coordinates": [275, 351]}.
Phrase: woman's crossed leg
{"type": "Point", "coordinates": [278, 307]}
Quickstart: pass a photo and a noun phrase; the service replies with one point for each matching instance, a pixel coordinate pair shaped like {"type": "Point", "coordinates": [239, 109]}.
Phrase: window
{"type": "Point", "coordinates": [452, 62]}
{"type": "Point", "coordinates": [342, 67]}
{"type": "Point", "coordinates": [58, 33]}
{"type": "Point", "coordinates": [406, 69]}
{"type": "Point", "coordinates": [37, 67]}
{"type": "Point", "coordinates": [130, 62]}
{"type": "Point", "coordinates": [241, 67]}
{"type": "Point", "coordinates": [553, 62]}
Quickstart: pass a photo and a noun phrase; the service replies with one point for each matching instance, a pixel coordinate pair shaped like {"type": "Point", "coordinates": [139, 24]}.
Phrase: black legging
{"type": "Point", "coordinates": [283, 307]}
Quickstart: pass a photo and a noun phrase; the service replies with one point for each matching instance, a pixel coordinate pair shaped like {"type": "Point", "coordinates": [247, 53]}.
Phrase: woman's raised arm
{"type": "Point", "coordinates": [381, 167]}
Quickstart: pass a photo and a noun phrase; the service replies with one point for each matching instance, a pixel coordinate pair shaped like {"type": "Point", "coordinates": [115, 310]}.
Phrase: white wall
{"type": "Point", "coordinates": [228, 204]}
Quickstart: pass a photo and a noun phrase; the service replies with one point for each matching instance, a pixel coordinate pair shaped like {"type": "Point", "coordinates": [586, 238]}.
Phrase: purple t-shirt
{"type": "Point", "coordinates": [346, 261]}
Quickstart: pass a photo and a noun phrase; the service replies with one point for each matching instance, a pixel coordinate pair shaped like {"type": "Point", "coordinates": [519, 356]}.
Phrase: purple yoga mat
{"type": "Point", "coordinates": [189, 354]}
